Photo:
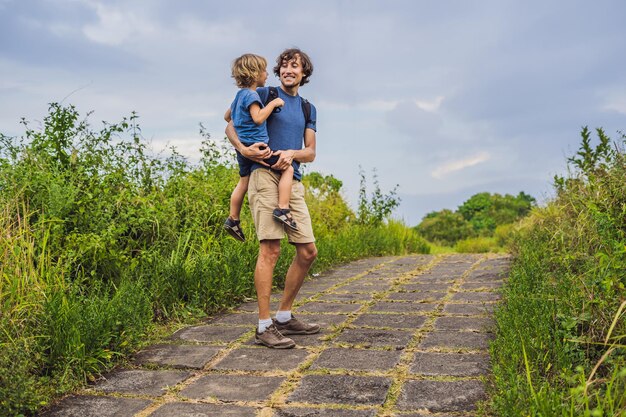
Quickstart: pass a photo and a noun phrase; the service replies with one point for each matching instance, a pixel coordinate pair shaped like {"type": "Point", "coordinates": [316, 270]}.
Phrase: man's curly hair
{"type": "Point", "coordinates": [292, 53]}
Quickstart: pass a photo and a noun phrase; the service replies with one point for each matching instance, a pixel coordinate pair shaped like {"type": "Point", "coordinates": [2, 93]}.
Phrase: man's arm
{"type": "Point", "coordinates": [253, 152]}
{"type": "Point", "coordinates": [306, 154]}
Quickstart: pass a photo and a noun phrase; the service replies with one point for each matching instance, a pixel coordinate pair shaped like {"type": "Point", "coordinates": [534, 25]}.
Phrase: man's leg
{"type": "Point", "coordinates": [305, 255]}
{"type": "Point", "coordinates": [269, 250]}
{"type": "Point", "coordinates": [285, 322]}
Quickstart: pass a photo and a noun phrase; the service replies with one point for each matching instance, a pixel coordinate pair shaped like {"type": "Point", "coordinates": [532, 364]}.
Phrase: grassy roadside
{"type": "Point", "coordinates": [560, 348]}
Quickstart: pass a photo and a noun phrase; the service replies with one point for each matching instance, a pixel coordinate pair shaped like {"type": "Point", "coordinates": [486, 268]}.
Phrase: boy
{"type": "Point", "coordinates": [249, 116]}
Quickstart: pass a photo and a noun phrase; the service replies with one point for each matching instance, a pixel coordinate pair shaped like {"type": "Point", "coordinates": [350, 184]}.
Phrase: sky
{"type": "Point", "coordinates": [444, 99]}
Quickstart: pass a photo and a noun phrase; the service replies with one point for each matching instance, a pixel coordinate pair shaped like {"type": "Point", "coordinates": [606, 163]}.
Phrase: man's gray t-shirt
{"type": "Point", "coordinates": [286, 128]}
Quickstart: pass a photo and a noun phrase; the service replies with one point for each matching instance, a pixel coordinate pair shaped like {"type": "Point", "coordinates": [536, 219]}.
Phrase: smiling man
{"type": "Point", "coordinates": [291, 134]}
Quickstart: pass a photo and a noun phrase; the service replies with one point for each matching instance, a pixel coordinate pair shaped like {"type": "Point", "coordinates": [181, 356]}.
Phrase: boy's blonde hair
{"type": "Point", "coordinates": [247, 68]}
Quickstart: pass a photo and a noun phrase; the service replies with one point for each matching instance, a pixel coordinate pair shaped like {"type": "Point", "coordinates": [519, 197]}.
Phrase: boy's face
{"type": "Point", "coordinates": [260, 82]}
{"type": "Point", "coordinates": [291, 72]}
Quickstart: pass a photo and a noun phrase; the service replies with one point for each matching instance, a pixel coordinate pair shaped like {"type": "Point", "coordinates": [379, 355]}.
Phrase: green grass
{"type": "Point", "coordinates": [560, 348]}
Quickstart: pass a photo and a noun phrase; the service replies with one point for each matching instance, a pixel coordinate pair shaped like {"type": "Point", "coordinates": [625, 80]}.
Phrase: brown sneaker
{"type": "Point", "coordinates": [295, 326]}
{"type": "Point", "coordinates": [272, 338]}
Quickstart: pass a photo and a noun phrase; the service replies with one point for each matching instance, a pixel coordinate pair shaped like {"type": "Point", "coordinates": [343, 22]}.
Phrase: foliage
{"type": "Point", "coordinates": [560, 347]}
{"type": "Point", "coordinates": [479, 216]}
{"type": "Point", "coordinates": [378, 207]}
{"type": "Point", "coordinates": [445, 227]}
{"type": "Point", "coordinates": [99, 238]}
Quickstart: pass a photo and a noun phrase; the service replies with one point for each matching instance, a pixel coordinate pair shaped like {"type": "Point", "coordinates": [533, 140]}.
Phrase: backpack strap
{"type": "Point", "coordinates": [306, 106]}
{"type": "Point", "coordinates": [271, 95]}
{"type": "Point", "coordinates": [306, 110]}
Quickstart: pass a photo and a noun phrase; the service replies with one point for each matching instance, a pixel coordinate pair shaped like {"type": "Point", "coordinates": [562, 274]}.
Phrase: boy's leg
{"type": "Point", "coordinates": [237, 196]}
{"type": "Point", "coordinates": [284, 188]}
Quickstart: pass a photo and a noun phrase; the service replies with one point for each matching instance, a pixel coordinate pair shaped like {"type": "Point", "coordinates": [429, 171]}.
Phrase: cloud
{"type": "Point", "coordinates": [413, 120]}
{"type": "Point", "coordinates": [116, 26]}
{"type": "Point", "coordinates": [616, 103]}
{"type": "Point", "coordinates": [460, 164]}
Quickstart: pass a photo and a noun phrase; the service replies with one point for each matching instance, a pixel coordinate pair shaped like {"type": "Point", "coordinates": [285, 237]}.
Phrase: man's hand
{"type": "Point", "coordinates": [285, 158]}
{"type": "Point", "coordinates": [257, 152]}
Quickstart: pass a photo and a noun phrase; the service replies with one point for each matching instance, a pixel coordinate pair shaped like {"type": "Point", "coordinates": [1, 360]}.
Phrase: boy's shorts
{"type": "Point", "coordinates": [263, 199]}
{"type": "Point", "coordinates": [245, 164]}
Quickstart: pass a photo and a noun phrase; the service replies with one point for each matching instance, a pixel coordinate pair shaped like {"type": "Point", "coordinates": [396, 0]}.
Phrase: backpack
{"type": "Point", "coordinates": [306, 106]}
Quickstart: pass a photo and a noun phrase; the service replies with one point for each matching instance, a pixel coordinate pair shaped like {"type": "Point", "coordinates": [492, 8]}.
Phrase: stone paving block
{"type": "Point", "coordinates": [341, 389]}
{"type": "Point", "coordinates": [484, 286]}
{"type": "Point", "coordinates": [236, 319]}
{"type": "Point", "coordinates": [478, 324]}
{"type": "Point", "coordinates": [467, 309]}
{"type": "Point", "coordinates": [96, 406]}
{"type": "Point", "coordinates": [417, 297]}
{"type": "Point", "coordinates": [319, 307]}
{"type": "Point", "coordinates": [388, 279]}
{"type": "Point", "coordinates": [316, 287]}
{"type": "Point", "coordinates": [393, 321]}
{"type": "Point", "coordinates": [441, 396]}
{"type": "Point", "coordinates": [476, 297]}
{"type": "Point", "coordinates": [397, 339]}
{"type": "Point", "coordinates": [232, 387]}
{"type": "Point", "coordinates": [402, 307]}
{"type": "Point", "coordinates": [347, 297]}
{"type": "Point", "coordinates": [324, 320]}
{"type": "Point", "coordinates": [211, 333]}
{"type": "Point", "coordinates": [450, 364]}
{"type": "Point", "coordinates": [433, 279]}
{"type": "Point", "coordinates": [178, 356]}
{"type": "Point", "coordinates": [364, 287]}
{"type": "Point", "coordinates": [203, 410]}
{"type": "Point", "coordinates": [357, 359]}
{"type": "Point", "coordinates": [322, 412]}
{"type": "Point", "coordinates": [456, 340]}
{"type": "Point", "coordinates": [140, 381]}
{"type": "Point", "coordinates": [253, 306]}
{"type": "Point", "coordinates": [262, 359]}
{"type": "Point", "coordinates": [425, 287]}
{"type": "Point", "coordinates": [484, 276]}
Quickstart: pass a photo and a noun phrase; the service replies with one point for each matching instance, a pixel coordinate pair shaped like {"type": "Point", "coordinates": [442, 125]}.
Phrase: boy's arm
{"type": "Point", "coordinates": [259, 115]}
{"type": "Point", "coordinates": [306, 154]}
{"type": "Point", "coordinates": [253, 152]}
{"type": "Point", "coordinates": [227, 115]}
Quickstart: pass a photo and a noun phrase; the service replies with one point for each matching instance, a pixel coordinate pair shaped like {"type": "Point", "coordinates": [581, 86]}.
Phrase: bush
{"type": "Point", "coordinates": [480, 216]}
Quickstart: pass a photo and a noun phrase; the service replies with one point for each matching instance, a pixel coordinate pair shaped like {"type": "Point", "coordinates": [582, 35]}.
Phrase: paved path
{"type": "Point", "coordinates": [402, 336]}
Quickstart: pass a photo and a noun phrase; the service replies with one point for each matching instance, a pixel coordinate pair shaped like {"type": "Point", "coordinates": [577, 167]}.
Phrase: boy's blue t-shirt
{"type": "Point", "coordinates": [286, 128]}
{"type": "Point", "coordinates": [248, 131]}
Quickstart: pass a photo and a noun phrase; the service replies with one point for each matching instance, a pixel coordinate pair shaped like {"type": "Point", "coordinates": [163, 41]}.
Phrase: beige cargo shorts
{"type": "Point", "coordinates": [263, 199]}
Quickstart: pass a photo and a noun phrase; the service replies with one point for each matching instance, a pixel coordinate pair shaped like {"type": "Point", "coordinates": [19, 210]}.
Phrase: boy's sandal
{"type": "Point", "coordinates": [284, 216]}
{"type": "Point", "coordinates": [233, 229]}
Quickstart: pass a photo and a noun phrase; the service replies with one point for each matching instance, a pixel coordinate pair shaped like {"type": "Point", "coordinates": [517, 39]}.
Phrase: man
{"type": "Point", "coordinates": [287, 131]}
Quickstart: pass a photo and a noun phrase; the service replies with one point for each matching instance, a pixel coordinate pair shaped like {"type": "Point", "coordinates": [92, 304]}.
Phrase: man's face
{"type": "Point", "coordinates": [291, 72]}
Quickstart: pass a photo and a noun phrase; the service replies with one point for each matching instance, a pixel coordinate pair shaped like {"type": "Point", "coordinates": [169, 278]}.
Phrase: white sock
{"type": "Point", "coordinates": [283, 316]}
{"type": "Point", "coordinates": [264, 324]}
